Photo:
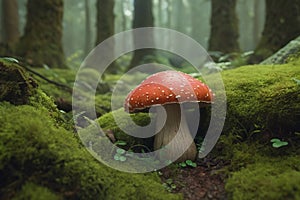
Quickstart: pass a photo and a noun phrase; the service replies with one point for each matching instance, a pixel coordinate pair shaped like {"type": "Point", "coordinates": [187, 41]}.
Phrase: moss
{"type": "Point", "coordinates": [275, 178]}
{"type": "Point", "coordinates": [35, 192]}
{"type": "Point", "coordinates": [35, 148]}
{"type": "Point", "coordinates": [264, 98]}
{"type": "Point", "coordinates": [63, 96]}
{"type": "Point", "coordinates": [107, 122]}
{"type": "Point", "coordinates": [16, 85]}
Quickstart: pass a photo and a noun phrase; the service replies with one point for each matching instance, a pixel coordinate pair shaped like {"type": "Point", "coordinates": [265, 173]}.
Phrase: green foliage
{"type": "Point", "coordinates": [276, 143]}
{"type": "Point", "coordinates": [187, 163]}
{"type": "Point", "coordinates": [169, 185]}
{"type": "Point", "coordinates": [35, 148]}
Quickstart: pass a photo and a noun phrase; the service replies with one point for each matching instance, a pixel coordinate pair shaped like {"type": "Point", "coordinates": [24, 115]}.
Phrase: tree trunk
{"type": "Point", "coordinates": [10, 23]}
{"type": "Point", "coordinates": [224, 27]}
{"type": "Point", "coordinates": [105, 26]}
{"type": "Point", "coordinates": [281, 26]}
{"type": "Point", "coordinates": [143, 17]}
{"type": "Point", "coordinates": [87, 27]}
{"type": "Point", "coordinates": [42, 40]}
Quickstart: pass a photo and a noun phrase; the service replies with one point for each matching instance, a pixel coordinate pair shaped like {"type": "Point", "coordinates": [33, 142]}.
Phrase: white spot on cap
{"type": "Point", "coordinates": [152, 100]}
{"type": "Point", "coordinates": [163, 91]}
{"type": "Point", "coordinates": [157, 98]}
{"type": "Point", "coordinates": [178, 96]}
{"type": "Point", "coordinates": [131, 99]}
{"type": "Point", "coordinates": [171, 88]}
{"type": "Point", "coordinates": [171, 95]}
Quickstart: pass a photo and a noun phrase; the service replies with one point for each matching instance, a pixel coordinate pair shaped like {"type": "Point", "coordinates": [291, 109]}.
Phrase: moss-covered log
{"type": "Point", "coordinates": [263, 97]}
{"type": "Point", "coordinates": [41, 43]}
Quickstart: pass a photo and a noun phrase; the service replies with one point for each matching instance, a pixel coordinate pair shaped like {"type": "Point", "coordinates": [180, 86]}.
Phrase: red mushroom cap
{"type": "Point", "coordinates": [167, 87]}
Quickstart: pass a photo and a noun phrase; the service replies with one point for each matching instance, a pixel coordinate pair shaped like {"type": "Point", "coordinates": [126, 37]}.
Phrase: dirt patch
{"type": "Point", "coordinates": [201, 182]}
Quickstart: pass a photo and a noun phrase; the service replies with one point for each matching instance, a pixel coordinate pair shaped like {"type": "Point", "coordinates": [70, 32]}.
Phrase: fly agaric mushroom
{"type": "Point", "coordinates": [169, 89]}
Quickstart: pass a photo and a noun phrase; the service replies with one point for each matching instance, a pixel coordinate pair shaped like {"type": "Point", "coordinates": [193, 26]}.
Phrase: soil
{"type": "Point", "coordinates": [200, 183]}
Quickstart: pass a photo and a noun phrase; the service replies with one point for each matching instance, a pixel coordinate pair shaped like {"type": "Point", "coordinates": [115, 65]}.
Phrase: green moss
{"type": "Point", "coordinates": [35, 148]}
{"type": "Point", "coordinates": [35, 192]}
{"type": "Point", "coordinates": [107, 122]}
{"type": "Point", "coordinates": [63, 96]}
{"type": "Point", "coordinates": [16, 85]}
{"type": "Point", "coordinates": [264, 97]}
{"type": "Point", "coordinates": [276, 178]}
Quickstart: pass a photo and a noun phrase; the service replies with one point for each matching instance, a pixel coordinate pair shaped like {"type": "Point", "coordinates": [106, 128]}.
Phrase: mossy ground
{"type": "Point", "coordinates": [36, 149]}
{"type": "Point", "coordinates": [263, 103]}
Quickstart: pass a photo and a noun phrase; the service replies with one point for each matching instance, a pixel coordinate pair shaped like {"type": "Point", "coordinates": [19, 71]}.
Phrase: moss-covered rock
{"type": "Point", "coordinates": [35, 148]}
{"type": "Point", "coordinates": [16, 85]}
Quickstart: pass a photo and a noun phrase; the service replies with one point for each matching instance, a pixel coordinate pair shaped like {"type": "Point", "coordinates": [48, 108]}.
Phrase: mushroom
{"type": "Point", "coordinates": [169, 89]}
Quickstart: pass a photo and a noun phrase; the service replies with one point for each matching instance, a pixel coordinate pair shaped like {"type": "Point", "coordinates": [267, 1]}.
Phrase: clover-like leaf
{"type": "Point", "coordinates": [279, 144]}
{"type": "Point", "coordinates": [122, 158]}
{"type": "Point", "coordinates": [120, 151]}
{"type": "Point", "coordinates": [190, 163]}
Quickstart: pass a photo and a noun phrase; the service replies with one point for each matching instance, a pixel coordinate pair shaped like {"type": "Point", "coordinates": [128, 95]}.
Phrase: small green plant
{"type": "Point", "coordinates": [120, 143]}
{"type": "Point", "coordinates": [169, 185]}
{"type": "Point", "coordinates": [276, 143]}
{"type": "Point", "coordinates": [296, 80]}
{"type": "Point", "coordinates": [187, 163]}
{"type": "Point", "coordinates": [119, 156]}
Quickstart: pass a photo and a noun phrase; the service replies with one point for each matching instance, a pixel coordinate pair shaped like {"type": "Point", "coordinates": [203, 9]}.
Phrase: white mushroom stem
{"type": "Point", "coordinates": [176, 125]}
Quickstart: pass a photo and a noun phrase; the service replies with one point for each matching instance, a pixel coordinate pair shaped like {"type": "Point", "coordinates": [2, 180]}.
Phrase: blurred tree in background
{"type": "Point", "coordinates": [10, 24]}
{"type": "Point", "coordinates": [143, 17]}
{"type": "Point", "coordinates": [281, 26]}
{"type": "Point", "coordinates": [105, 26]}
{"type": "Point", "coordinates": [41, 43]}
{"type": "Point", "coordinates": [224, 27]}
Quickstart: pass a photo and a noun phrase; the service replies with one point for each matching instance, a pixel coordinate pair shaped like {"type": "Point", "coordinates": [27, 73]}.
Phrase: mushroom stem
{"type": "Point", "coordinates": [183, 142]}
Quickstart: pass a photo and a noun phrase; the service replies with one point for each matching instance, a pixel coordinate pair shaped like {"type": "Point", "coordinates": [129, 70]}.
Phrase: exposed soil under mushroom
{"type": "Point", "coordinates": [201, 182]}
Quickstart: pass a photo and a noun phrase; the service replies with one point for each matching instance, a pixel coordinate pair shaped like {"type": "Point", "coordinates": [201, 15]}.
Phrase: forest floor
{"type": "Point", "coordinates": [202, 182]}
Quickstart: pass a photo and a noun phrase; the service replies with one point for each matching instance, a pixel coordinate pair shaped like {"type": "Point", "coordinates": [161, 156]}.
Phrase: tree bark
{"type": "Point", "coordinates": [42, 40]}
{"type": "Point", "coordinates": [281, 26]}
{"type": "Point", "coordinates": [224, 27]}
{"type": "Point", "coordinates": [143, 17]}
{"type": "Point", "coordinates": [10, 23]}
{"type": "Point", "coordinates": [87, 27]}
{"type": "Point", "coordinates": [105, 26]}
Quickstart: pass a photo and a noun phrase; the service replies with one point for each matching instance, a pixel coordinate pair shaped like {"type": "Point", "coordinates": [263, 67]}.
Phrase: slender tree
{"type": "Point", "coordinates": [105, 20]}
{"type": "Point", "coordinates": [281, 26]}
{"type": "Point", "coordinates": [41, 42]}
{"type": "Point", "coordinates": [105, 26]}
{"type": "Point", "coordinates": [88, 29]}
{"type": "Point", "coordinates": [143, 17]}
{"type": "Point", "coordinates": [224, 27]}
{"type": "Point", "coordinates": [10, 23]}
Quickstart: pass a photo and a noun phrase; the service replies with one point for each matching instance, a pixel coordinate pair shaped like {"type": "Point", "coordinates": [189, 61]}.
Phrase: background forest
{"type": "Point", "coordinates": [84, 24]}
{"type": "Point", "coordinates": [48, 139]}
